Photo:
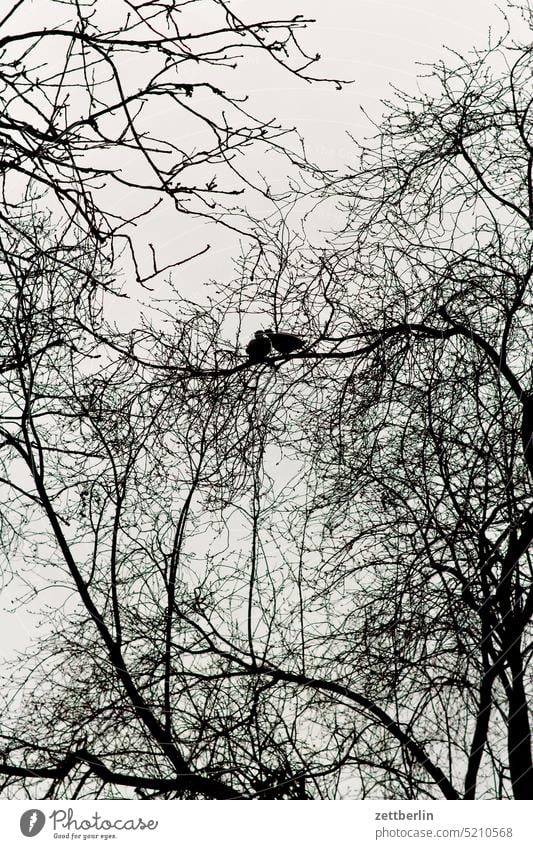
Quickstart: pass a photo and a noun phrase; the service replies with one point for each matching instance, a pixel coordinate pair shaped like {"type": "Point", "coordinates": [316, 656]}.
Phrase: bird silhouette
{"type": "Point", "coordinates": [285, 343]}
{"type": "Point", "coordinates": [258, 348]}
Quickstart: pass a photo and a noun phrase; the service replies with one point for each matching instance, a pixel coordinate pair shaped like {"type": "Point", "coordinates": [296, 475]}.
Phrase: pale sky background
{"type": "Point", "coordinates": [372, 42]}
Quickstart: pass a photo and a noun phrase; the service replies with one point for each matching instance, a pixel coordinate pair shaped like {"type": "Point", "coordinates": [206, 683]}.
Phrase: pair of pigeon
{"type": "Point", "coordinates": [264, 340]}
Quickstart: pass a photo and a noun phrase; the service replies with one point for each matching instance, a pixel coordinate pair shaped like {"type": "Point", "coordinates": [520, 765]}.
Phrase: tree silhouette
{"type": "Point", "coordinates": [413, 408]}
{"type": "Point", "coordinates": [302, 578]}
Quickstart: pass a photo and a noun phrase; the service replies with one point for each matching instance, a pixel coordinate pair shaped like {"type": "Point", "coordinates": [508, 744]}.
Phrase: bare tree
{"type": "Point", "coordinates": [112, 114]}
{"type": "Point", "coordinates": [307, 577]}
{"type": "Point", "coordinates": [88, 427]}
{"type": "Point", "coordinates": [413, 409]}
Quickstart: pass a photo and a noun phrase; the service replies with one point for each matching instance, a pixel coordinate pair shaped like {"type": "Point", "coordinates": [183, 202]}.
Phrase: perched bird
{"type": "Point", "coordinates": [258, 348]}
{"type": "Point", "coordinates": [285, 343]}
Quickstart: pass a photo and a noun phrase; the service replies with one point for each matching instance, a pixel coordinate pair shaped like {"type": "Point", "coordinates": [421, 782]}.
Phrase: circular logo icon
{"type": "Point", "coordinates": [32, 822]}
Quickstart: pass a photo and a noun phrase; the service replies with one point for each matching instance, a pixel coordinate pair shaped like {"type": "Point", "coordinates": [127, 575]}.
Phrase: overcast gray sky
{"type": "Point", "coordinates": [373, 42]}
